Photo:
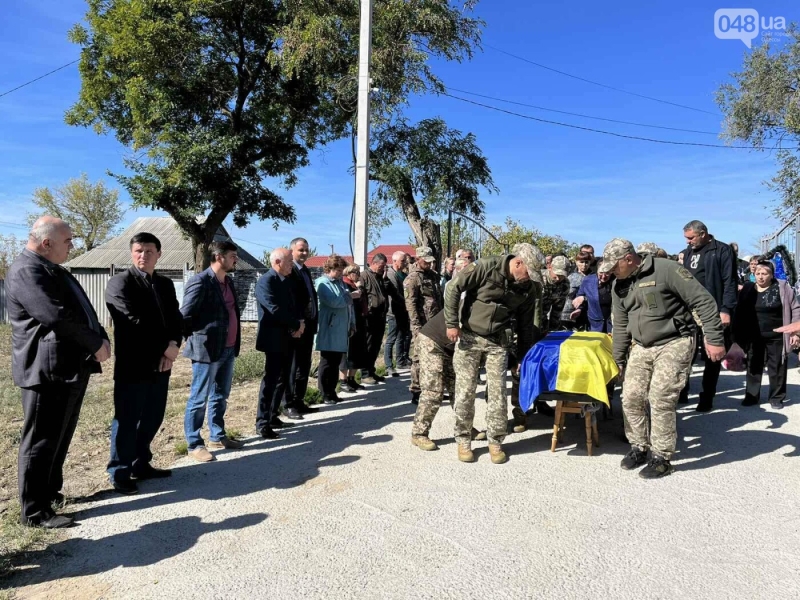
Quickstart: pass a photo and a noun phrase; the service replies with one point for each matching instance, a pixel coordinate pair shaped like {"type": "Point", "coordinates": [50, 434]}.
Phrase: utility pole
{"type": "Point", "coordinates": [362, 151]}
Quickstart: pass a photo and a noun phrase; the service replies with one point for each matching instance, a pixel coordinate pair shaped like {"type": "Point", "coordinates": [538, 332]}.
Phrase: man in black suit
{"type": "Point", "coordinates": [375, 289]}
{"type": "Point", "coordinates": [147, 335]}
{"type": "Point", "coordinates": [302, 347]}
{"type": "Point", "coordinates": [57, 343]}
{"type": "Point", "coordinates": [280, 320]}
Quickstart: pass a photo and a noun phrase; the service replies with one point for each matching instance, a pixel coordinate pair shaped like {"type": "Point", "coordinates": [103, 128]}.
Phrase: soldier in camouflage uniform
{"type": "Point", "coordinates": [555, 290]}
{"type": "Point", "coordinates": [652, 303]}
{"type": "Point", "coordinates": [423, 300]}
{"type": "Point", "coordinates": [499, 301]}
{"type": "Point", "coordinates": [651, 248]}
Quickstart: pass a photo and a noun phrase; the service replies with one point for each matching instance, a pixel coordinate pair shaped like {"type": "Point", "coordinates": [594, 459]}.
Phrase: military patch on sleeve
{"type": "Point", "coordinates": [684, 273]}
{"type": "Point", "coordinates": [469, 268]}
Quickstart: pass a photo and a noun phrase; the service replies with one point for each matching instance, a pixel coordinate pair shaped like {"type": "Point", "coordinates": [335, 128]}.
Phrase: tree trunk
{"type": "Point", "coordinates": [426, 231]}
{"type": "Point", "coordinates": [200, 244]}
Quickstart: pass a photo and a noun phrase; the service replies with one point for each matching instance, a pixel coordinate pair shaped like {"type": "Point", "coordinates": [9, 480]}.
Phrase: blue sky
{"type": "Point", "coordinates": [583, 186]}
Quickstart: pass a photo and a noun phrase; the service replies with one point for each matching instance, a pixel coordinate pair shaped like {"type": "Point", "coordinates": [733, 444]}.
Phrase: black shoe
{"type": "Point", "coordinates": [353, 384]}
{"type": "Point", "coordinates": [634, 458]}
{"type": "Point", "coordinates": [684, 397]}
{"type": "Point", "coordinates": [304, 409]}
{"type": "Point", "coordinates": [543, 408]}
{"type": "Point", "coordinates": [53, 521]}
{"type": "Point", "coordinates": [749, 400]}
{"type": "Point", "coordinates": [268, 433]}
{"type": "Point", "coordinates": [657, 467]}
{"type": "Point", "coordinates": [351, 387]}
{"type": "Point", "coordinates": [329, 401]}
{"type": "Point", "coordinates": [776, 405]}
{"type": "Point", "coordinates": [415, 397]}
{"type": "Point", "coordinates": [150, 472]}
{"type": "Point", "coordinates": [705, 405]}
{"type": "Point", "coordinates": [276, 423]}
{"type": "Point", "coordinates": [125, 486]}
{"type": "Point", "coordinates": [292, 413]}
{"type": "Point", "coordinates": [378, 378]}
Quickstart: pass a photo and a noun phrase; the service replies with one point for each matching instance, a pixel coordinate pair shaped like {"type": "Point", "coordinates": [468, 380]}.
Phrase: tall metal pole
{"type": "Point", "coordinates": [362, 150]}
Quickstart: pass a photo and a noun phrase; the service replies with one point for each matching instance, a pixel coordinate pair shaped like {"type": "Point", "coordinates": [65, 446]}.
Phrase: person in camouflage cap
{"type": "Point", "coordinates": [555, 290]}
{"type": "Point", "coordinates": [652, 303]}
{"type": "Point", "coordinates": [424, 299]}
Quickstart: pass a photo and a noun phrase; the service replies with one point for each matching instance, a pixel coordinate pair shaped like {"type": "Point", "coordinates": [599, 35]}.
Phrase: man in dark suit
{"type": "Point", "coordinates": [147, 334]}
{"type": "Point", "coordinates": [280, 320]}
{"type": "Point", "coordinates": [375, 289]}
{"type": "Point", "coordinates": [212, 324]}
{"type": "Point", "coordinates": [57, 343]}
{"type": "Point", "coordinates": [398, 337]}
{"type": "Point", "coordinates": [302, 347]}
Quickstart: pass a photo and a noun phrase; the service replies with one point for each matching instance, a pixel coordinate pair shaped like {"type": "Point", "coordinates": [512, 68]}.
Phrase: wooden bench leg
{"type": "Point", "coordinates": [595, 434]}
{"type": "Point", "coordinates": [588, 420]}
{"type": "Point", "coordinates": [556, 427]}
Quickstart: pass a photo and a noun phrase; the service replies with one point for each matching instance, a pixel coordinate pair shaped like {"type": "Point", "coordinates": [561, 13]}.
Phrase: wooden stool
{"type": "Point", "coordinates": [565, 407]}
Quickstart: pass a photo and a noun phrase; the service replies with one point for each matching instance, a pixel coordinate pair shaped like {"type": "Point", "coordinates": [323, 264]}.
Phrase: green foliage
{"type": "Point", "coordinates": [16, 539]}
{"type": "Point", "coordinates": [249, 366]}
{"type": "Point", "coordinates": [92, 210]}
{"type": "Point", "coordinates": [233, 434]}
{"type": "Point", "coordinates": [513, 232]}
{"type": "Point", "coordinates": [217, 100]}
{"type": "Point", "coordinates": [313, 396]}
{"type": "Point", "coordinates": [10, 247]}
{"type": "Point", "coordinates": [761, 108]}
{"type": "Point", "coordinates": [181, 448]}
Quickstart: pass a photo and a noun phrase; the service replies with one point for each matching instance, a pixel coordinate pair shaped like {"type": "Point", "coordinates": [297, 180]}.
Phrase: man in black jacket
{"type": "Point", "coordinates": [147, 336]}
{"type": "Point", "coordinates": [398, 337]}
{"type": "Point", "coordinates": [56, 344]}
{"type": "Point", "coordinates": [713, 264]}
{"type": "Point", "coordinates": [302, 347]}
{"type": "Point", "coordinates": [376, 318]}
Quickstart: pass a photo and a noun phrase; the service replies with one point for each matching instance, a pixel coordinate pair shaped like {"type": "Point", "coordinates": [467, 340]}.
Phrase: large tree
{"type": "Point", "coordinates": [762, 108]}
{"type": "Point", "coordinates": [220, 102]}
{"type": "Point", "coordinates": [10, 248]}
{"type": "Point", "coordinates": [92, 210]}
{"type": "Point", "coordinates": [425, 169]}
{"type": "Point", "coordinates": [513, 232]}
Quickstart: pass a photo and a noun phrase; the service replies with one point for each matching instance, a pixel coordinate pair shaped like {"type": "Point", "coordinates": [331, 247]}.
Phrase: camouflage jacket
{"type": "Point", "coordinates": [423, 296]}
{"type": "Point", "coordinates": [554, 295]}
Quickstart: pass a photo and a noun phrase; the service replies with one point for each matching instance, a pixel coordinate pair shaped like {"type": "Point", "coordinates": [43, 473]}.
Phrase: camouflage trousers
{"type": "Point", "coordinates": [415, 386]}
{"type": "Point", "coordinates": [435, 376]}
{"type": "Point", "coordinates": [470, 351]}
{"type": "Point", "coordinates": [657, 374]}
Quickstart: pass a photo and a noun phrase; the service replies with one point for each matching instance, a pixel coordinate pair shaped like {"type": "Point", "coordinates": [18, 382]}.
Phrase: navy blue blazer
{"type": "Point", "coordinates": [279, 314]}
{"type": "Point", "coordinates": [205, 318]}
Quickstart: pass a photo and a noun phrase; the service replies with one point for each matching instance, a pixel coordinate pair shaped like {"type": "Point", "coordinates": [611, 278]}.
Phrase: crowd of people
{"type": "Point", "coordinates": [446, 326]}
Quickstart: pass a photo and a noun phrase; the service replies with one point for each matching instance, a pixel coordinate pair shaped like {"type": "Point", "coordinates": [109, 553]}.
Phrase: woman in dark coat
{"type": "Point", "coordinates": [356, 357]}
{"type": "Point", "coordinates": [763, 306]}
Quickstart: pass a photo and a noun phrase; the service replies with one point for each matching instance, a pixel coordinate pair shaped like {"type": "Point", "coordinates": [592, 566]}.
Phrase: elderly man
{"type": "Point", "coordinates": [212, 322]}
{"type": "Point", "coordinates": [397, 338]}
{"type": "Point", "coordinates": [280, 319]}
{"type": "Point", "coordinates": [56, 344]}
{"type": "Point", "coordinates": [500, 299]}
{"type": "Point", "coordinates": [467, 254]}
{"type": "Point", "coordinates": [652, 304]}
{"type": "Point", "coordinates": [148, 328]}
{"type": "Point", "coordinates": [423, 299]}
{"type": "Point", "coordinates": [375, 288]}
{"type": "Point", "coordinates": [713, 264]}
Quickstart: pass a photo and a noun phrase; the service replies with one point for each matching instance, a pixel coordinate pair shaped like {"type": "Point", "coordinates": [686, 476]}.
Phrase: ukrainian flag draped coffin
{"type": "Point", "coordinates": [576, 362]}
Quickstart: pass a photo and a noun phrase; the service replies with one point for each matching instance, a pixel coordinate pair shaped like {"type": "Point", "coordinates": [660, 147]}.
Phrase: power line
{"type": "Point", "coordinates": [564, 112]}
{"type": "Point", "coordinates": [17, 225]}
{"type": "Point", "coordinates": [19, 87]}
{"type": "Point", "coordinates": [612, 133]}
{"type": "Point", "coordinates": [597, 83]}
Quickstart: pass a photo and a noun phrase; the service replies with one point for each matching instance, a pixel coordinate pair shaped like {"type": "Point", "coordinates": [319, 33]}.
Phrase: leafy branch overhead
{"type": "Point", "coordinates": [220, 103]}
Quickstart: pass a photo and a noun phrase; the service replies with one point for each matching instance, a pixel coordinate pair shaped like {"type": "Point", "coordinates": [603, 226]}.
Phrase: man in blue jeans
{"type": "Point", "coordinates": [212, 323]}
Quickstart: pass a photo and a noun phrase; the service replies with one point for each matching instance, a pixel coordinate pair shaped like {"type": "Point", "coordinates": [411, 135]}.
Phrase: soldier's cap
{"type": "Point", "coordinates": [426, 254]}
{"type": "Point", "coordinates": [532, 258]}
{"type": "Point", "coordinates": [559, 266]}
{"type": "Point", "coordinates": [615, 251]}
{"type": "Point", "coordinates": [648, 248]}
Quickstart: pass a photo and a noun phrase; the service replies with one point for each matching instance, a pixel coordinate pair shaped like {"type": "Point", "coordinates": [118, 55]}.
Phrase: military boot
{"type": "Point", "coordinates": [497, 455]}
{"type": "Point", "coordinates": [520, 420]}
{"type": "Point", "coordinates": [478, 435]}
{"type": "Point", "coordinates": [657, 467]}
{"type": "Point", "coordinates": [465, 452]}
{"type": "Point", "coordinates": [423, 442]}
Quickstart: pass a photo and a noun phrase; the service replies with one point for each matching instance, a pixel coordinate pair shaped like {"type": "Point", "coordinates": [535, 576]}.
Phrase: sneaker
{"type": "Point", "coordinates": [329, 401]}
{"type": "Point", "coordinates": [749, 400]}
{"type": "Point", "coordinates": [465, 452]}
{"type": "Point", "coordinates": [415, 397]}
{"type": "Point", "coordinates": [705, 405]}
{"type": "Point", "coordinates": [497, 455]}
{"type": "Point", "coordinates": [423, 442]}
{"type": "Point", "coordinates": [292, 413]}
{"type": "Point", "coordinates": [544, 409]}
{"type": "Point", "coordinates": [657, 467]}
{"type": "Point", "coordinates": [634, 458]}
{"type": "Point", "coordinates": [226, 444]}
{"type": "Point", "coordinates": [200, 454]}
{"type": "Point", "coordinates": [477, 435]}
{"type": "Point", "coordinates": [125, 486]}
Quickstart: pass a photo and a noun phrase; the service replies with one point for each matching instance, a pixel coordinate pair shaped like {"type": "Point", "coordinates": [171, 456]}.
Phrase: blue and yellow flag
{"type": "Point", "coordinates": [576, 362]}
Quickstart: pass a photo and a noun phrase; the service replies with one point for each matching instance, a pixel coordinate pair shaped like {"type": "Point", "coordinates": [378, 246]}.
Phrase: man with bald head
{"type": "Point", "coordinates": [57, 343]}
{"type": "Point", "coordinates": [280, 319]}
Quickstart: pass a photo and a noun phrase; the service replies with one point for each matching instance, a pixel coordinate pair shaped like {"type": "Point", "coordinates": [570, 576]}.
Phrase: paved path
{"type": "Point", "coordinates": [344, 507]}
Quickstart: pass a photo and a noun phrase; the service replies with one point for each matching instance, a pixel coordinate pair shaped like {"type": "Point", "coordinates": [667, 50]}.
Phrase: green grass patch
{"type": "Point", "coordinates": [181, 449]}
{"type": "Point", "coordinates": [380, 370]}
{"type": "Point", "coordinates": [16, 539]}
{"type": "Point", "coordinates": [249, 366]}
{"type": "Point", "coordinates": [313, 396]}
{"type": "Point", "coordinates": [233, 434]}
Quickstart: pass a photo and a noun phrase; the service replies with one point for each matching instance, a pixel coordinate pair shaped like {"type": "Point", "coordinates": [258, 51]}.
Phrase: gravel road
{"type": "Point", "coordinates": [343, 506]}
